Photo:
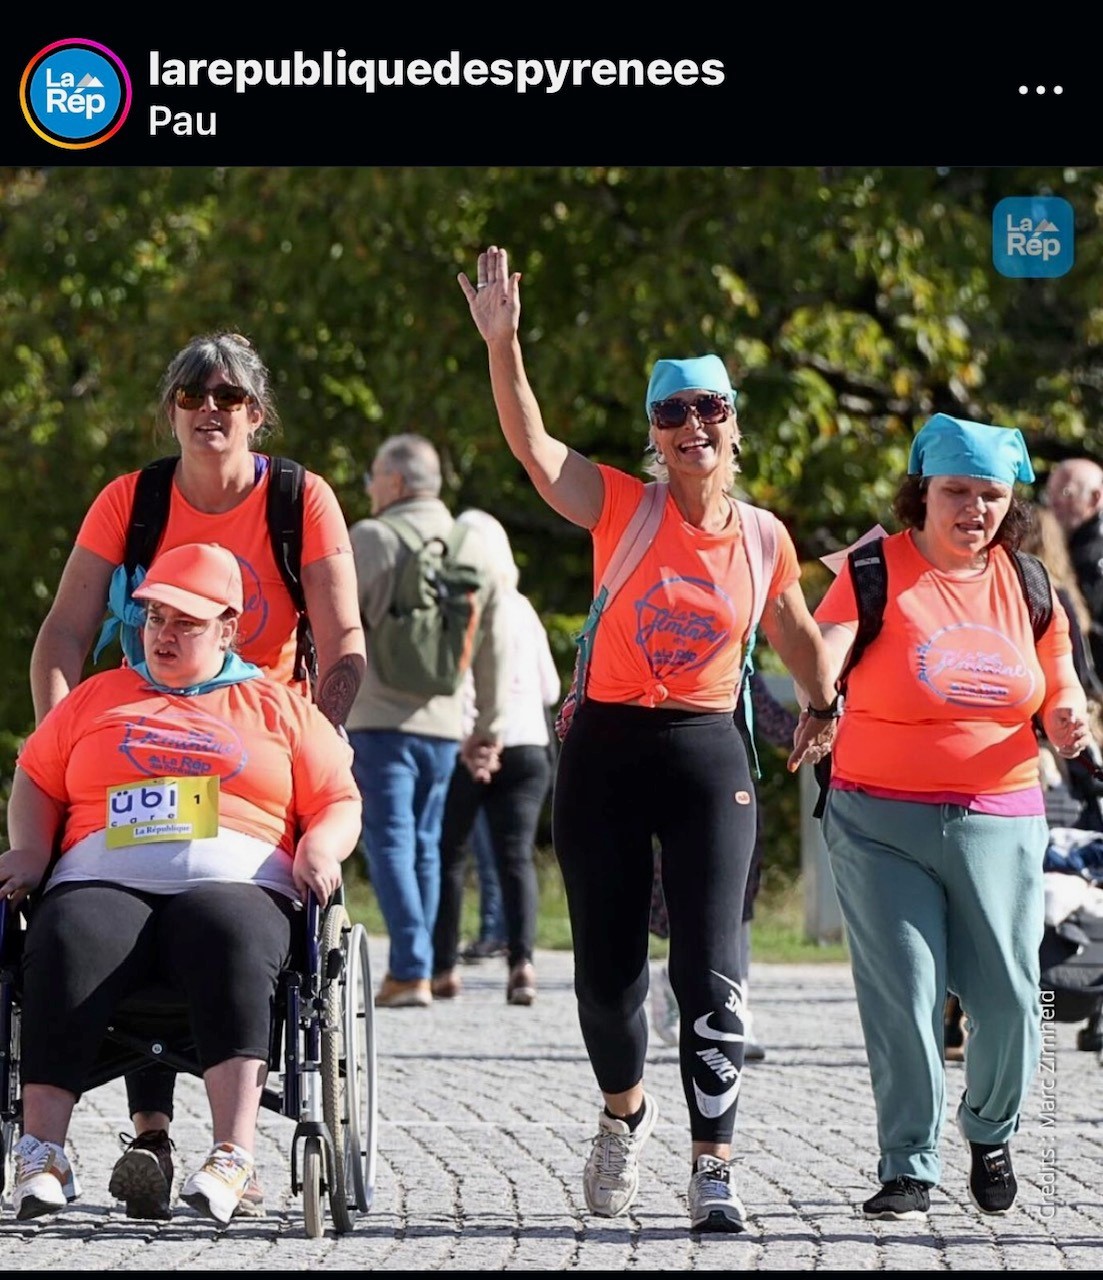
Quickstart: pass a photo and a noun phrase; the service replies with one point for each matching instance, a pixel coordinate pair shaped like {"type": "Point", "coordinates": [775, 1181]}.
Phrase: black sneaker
{"type": "Point", "coordinates": [142, 1176]}
{"type": "Point", "coordinates": [1089, 1039]}
{"type": "Point", "coordinates": [992, 1185]}
{"type": "Point", "coordinates": [901, 1198]}
{"type": "Point", "coordinates": [484, 949]}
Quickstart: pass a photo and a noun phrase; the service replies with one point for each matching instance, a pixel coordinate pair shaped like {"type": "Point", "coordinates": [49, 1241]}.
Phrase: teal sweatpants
{"type": "Point", "coordinates": [936, 898]}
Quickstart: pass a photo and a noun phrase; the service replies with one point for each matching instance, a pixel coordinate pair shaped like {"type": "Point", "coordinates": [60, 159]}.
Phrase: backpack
{"type": "Point", "coordinates": [425, 641]}
{"type": "Point", "coordinates": [870, 577]}
{"type": "Point", "coordinates": [760, 543]}
{"type": "Point", "coordinates": [284, 512]}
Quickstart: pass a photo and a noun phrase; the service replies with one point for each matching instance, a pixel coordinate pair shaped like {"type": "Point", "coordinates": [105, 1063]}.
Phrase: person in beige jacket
{"type": "Point", "coordinates": [405, 744]}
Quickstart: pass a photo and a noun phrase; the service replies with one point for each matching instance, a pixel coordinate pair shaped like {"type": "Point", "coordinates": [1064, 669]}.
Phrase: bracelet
{"type": "Point", "coordinates": [831, 712]}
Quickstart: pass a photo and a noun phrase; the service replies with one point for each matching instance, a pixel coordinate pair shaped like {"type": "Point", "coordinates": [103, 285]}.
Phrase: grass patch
{"type": "Point", "coordinates": [777, 938]}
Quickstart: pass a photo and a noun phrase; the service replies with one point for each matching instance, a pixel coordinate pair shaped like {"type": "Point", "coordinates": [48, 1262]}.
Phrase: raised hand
{"type": "Point", "coordinates": [495, 297]}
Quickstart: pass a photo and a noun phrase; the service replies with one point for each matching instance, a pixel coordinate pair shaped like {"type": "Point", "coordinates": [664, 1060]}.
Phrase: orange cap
{"type": "Point", "coordinates": [200, 579]}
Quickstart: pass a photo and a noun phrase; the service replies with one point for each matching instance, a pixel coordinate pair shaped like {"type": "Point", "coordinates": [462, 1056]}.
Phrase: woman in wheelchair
{"type": "Point", "coordinates": [195, 803]}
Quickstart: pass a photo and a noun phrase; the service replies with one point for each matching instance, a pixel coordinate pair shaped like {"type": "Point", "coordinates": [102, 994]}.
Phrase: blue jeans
{"type": "Point", "coordinates": [403, 780]}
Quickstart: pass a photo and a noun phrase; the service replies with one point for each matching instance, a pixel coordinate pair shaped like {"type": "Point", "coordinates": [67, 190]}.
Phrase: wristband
{"type": "Point", "coordinates": [830, 712]}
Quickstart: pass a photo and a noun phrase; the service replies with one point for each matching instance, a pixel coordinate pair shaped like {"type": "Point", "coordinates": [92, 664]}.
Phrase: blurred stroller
{"type": "Point", "coordinates": [1072, 944]}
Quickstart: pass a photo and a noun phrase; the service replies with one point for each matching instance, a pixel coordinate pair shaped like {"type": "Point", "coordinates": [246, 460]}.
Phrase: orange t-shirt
{"type": "Point", "coordinates": [676, 628]}
{"type": "Point", "coordinates": [266, 634]}
{"type": "Point", "coordinates": [278, 759]}
{"type": "Point", "coordinates": [942, 700]}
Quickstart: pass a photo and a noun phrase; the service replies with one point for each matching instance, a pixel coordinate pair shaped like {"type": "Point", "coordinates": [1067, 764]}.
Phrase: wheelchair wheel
{"type": "Point", "coordinates": [312, 1188]}
{"type": "Point", "coordinates": [360, 1086]}
{"type": "Point", "coordinates": [336, 928]}
{"type": "Point", "coordinates": [348, 1069]}
{"type": "Point", "coordinates": [10, 1107]}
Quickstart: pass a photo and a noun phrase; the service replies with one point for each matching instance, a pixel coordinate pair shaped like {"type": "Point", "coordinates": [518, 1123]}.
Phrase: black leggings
{"type": "Point", "coordinates": [627, 776]}
{"type": "Point", "coordinates": [89, 945]}
{"type": "Point", "coordinates": [513, 799]}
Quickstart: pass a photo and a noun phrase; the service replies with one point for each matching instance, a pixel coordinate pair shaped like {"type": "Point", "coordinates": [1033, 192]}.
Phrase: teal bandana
{"type": "Point", "coordinates": [235, 670]}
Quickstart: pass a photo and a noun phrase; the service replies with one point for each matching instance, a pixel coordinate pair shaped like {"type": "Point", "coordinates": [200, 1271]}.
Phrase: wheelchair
{"type": "Point", "coordinates": [322, 1048]}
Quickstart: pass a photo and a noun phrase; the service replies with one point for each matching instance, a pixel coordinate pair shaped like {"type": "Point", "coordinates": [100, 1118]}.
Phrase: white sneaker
{"type": "Point", "coordinates": [713, 1204]}
{"type": "Point", "coordinates": [665, 1016]}
{"type": "Point", "coordinates": [752, 1050]}
{"type": "Point", "coordinates": [612, 1174]}
{"type": "Point", "coordinates": [44, 1181]}
{"type": "Point", "coordinates": [216, 1190]}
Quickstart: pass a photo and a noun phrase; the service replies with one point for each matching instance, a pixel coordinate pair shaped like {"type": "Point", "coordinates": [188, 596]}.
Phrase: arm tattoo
{"type": "Point", "coordinates": [337, 688]}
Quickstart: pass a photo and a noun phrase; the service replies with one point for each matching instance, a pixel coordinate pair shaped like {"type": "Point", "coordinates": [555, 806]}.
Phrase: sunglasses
{"type": "Point", "coordinates": [225, 396]}
{"type": "Point", "coordinates": [709, 409]}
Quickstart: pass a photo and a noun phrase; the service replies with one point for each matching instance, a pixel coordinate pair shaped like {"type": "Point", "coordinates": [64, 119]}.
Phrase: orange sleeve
{"type": "Point", "coordinates": [325, 529]}
{"type": "Point", "coordinates": [44, 756]}
{"type": "Point", "coordinates": [103, 529]}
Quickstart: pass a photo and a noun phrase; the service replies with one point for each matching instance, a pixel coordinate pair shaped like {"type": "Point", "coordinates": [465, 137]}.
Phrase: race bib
{"type": "Point", "coordinates": [162, 809]}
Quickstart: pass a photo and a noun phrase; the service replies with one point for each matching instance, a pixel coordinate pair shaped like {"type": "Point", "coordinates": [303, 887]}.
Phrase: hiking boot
{"type": "Point", "coordinates": [713, 1204]}
{"type": "Point", "coordinates": [403, 993]}
{"type": "Point", "coordinates": [142, 1176]}
{"type": "Point", "coordinates": [612, 1173]}
{"type": "Point", "coordinates": [42, 1176]}
{"type": "Point", "coordinates": [251, 1204]}
{"type": "Point", "coordinates": [445, 985]}
{"type": "Point", "coordinates": [992, 1185]}
{"type": "Point", "coordinates": [902, 1198]}
{"type": "Point", "coordinates": [665, 1015]}
{"type": "Point", "coordinates": [521, 987]}
{"type": "Point", "coordinates": [218, 1188]}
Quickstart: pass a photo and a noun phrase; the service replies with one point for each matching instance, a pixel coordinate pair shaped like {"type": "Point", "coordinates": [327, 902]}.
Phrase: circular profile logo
{"type": "Point", "coordinates": [75, 93]}
{"type": "Point", "coordinates": [975, 666]}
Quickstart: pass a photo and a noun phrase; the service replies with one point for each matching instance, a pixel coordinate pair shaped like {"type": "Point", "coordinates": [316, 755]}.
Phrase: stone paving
{"type": "Point", "coordinates": [486, 1116]}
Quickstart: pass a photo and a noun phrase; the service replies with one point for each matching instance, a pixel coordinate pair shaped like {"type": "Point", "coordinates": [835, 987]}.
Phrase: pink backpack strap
{"type": "Point", "coordinates": [760, 544]}
{"type": "Point", "coordinates": [638, 535]}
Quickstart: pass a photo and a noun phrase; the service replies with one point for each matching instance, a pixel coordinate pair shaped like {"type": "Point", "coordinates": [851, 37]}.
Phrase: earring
{"type": "Point", "coordinates": [659, 457]}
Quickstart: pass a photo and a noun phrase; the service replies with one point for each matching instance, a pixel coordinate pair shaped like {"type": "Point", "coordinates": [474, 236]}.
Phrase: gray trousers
{"type": "Point", "coordinates": [936, 898]}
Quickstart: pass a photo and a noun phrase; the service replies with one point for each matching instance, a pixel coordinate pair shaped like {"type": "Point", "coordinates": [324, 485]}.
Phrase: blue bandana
{"type": "Point", "coordinates": [234, 671]}
{"type": "Point", "coordinates": [947, 446]}
{"type": "Point", "coordinates": [670, 376]}
{"type": "Point", "coordinates": [124, 616]}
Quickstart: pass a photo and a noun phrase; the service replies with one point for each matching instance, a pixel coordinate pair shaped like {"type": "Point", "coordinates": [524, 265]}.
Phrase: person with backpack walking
{"type": "Point", "coordinates": [513, 798]}
{"type": "Point", "coordinates": [429, 600]}
{"type": "Point", "coordinates": [934, 817]}
{"type": "Point", "coordinates": [652, 748]}
{"type": "Point", "coordinates": [217, 400]}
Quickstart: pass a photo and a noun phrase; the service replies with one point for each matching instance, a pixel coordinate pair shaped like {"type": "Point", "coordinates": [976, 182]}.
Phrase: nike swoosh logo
{"type": "Point", "coordinates": [701, 1027]}
{"type": "Point", "coordinates": [737, 987]}
{"type": "Point", "coordinates": [713, 1105]}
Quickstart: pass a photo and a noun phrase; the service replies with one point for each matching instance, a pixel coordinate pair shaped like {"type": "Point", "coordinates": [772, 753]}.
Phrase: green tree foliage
{"type": "Point", "coordinates": [849, 304]}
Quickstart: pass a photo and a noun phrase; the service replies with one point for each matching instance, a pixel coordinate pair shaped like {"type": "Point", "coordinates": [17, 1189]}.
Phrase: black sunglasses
{"type": "Point", "coordinates": [710, 409]}
{"type": "Point", "coordinates": [225, 396]}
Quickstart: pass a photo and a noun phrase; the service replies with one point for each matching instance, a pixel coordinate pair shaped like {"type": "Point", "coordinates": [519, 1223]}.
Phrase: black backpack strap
{"type": "Point", "coordinates": [869, 575]}
{"type": "Point", "coordinates": [871, 591]}
{"type": "Point", "coordinates": [1034, 580]}
{"type": "Point", "coordinates": [286, 482]}
{"type": "Point", "coordinates": [285, 523]}
{"type": "Point", "coordinates": [149, 512]}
